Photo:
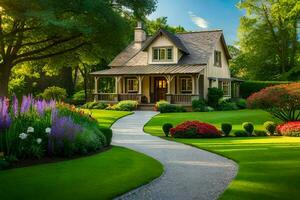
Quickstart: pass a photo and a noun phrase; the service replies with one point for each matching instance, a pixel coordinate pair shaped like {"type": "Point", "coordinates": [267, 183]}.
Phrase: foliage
{"type": "Point", "coordinates": [213, 97]}
{"type": "Point", "coordinates": [199, 105]}
{"type": "Point", "coordinates": [240, 133]}
{"type": "Point", "coordinates": [126, 105]}
{"type": "Point", "coordinates": [166, 128]}
{"type": "Point", "coordinates": [282, 101]}
{"type": "Point", "coordinates": [159, 104]}
{"type": "Point", "coordinates": [241, 103]}
{"type": "Point", "coordinates": [226, 105]}
{"type": "Point", "coordinates": [152, 26]}
{"type": "Point", "coordinates": [260, 133]}
{"type": "Point", "coordinates": [270, 25]}
{"type": "Point", "coordinates": [289, 129]}
{"type": "Point", "coordinates": [226, 128]}
{"type": "Point", "coordinates": [170, 108]}
{"type": "Point", "coordinates": [249, 87]}
{"type": "Point", "coordinates": [78, 97]}
{"type": "Point", "coordinates": [107, 132]}
{"type": "Point", "coordinates": [55, 93]}
{"type": "Point", "coordinates": [248, 127]}
{"type": "Point", "coordinates": [270, 127]}
{"type": "Point", "coordinates": [39, 128]}
{"type": "Point", "coordinates": [195, 129]}
{"type": "Point", "coordinates": [94, 105]}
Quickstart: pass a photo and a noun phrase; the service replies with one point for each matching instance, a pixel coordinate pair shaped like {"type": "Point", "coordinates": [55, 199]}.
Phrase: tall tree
{"type": "Point", "coordinates": [161, 23]}
{"type": "Point", "coordinates": [42, 29]}
{"type": "Point", "coordinates": [268, 37]}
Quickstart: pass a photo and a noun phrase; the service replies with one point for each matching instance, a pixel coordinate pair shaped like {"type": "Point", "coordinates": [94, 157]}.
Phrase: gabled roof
{"type": "Point", "coordinates": [173, 38]}
{"type": "Point", "coordinates": [199, 45]}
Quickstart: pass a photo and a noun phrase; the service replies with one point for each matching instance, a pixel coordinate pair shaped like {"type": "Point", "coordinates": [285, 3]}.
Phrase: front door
{"type": "Point", "coordinates": [160, 88]}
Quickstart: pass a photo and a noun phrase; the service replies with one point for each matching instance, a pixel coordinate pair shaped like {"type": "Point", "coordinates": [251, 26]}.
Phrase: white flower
{"type": "Point", "coordinates": [39, 140]}
{"type": "Point", "coordinates": [23, 136]}
{"type": "Point", "coordinates": [48, 130]}
{"type": "Point", "coordinates": [30, 130]}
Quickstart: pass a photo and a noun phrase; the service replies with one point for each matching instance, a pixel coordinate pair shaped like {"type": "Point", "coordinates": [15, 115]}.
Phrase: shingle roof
{"type": "Point", "coordinates": [152, 69]}
{"type": "Point", "coordinates": [199, 45]}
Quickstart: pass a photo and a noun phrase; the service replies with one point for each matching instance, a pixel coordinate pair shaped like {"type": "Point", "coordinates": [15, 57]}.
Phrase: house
{"type": "Point", "coordinates": [174, 67]}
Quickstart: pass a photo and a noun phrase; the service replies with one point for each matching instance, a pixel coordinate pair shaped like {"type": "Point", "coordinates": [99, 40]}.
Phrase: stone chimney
{"type": "Point", "coordinates": [139, 35]}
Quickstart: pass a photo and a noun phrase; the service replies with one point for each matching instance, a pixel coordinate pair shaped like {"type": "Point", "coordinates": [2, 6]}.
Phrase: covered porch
{"type": "Point", "coordinates": [152, 83]}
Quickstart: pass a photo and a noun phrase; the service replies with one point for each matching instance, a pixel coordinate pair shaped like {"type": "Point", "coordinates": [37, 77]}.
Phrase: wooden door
{"type": "Point", "coordinates": [160, 88]}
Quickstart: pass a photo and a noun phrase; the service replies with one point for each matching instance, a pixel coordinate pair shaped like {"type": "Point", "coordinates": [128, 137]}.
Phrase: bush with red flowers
{"type": "Point", "coordinates": [195, 129]}
{"type": "Point", "coordinates": [289, 129]}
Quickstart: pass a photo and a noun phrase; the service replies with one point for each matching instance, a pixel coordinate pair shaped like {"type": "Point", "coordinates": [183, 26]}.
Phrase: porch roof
{"type": "Point", "coordinates": [151, 70]}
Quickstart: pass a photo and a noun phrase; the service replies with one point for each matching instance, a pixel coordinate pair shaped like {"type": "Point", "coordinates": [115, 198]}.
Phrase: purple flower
{"type": "Point", "coordinates": [5, 119]}
{"type": "Point", "coordinates": [26, 103]}
{"type": "Point", "coordinates": [15, 106]}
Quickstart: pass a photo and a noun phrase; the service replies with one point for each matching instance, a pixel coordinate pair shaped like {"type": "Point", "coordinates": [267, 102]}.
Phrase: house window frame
{"type": "Point", "coordinates": [227, 89]}
{"type": "Point", "coordinates": [217, 58]}
{"type": "Point", "coordinates": [128, 85]}
{"type": "Point", "coordinates": [165, 55]}
{"type": "Point", "coordinates": [186, 89]}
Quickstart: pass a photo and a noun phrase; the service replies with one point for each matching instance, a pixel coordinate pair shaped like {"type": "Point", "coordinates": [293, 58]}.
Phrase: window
{"type": "Point", "coordinates": [132, 85]}
{"type": "Point", "coordinates": [224, 85]}
{"type": "Point", "coordinates": [162, 54]}
{"type": "Point", "coordinates": [218, 59]}
{"type": "Point", "coordinates": [186, 85]}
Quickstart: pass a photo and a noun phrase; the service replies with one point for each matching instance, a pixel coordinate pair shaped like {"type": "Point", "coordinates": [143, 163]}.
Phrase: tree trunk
{"type": "Point", "coordinates": [5, 71]}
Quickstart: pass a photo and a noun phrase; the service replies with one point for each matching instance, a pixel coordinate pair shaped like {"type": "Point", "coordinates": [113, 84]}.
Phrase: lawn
{"type": "Point", "coordinates": [269, 167]}
{"type": "Point", "coordinates": [100, 176]}
{"type": "Point", "coordinates": [236, 118]}
{"type": "Point", "coordinates": [107, 117]}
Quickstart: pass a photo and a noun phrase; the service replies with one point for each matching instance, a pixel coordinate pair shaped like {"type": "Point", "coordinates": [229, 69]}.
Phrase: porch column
{"type": "Point", "coordinates": [193, 85]}
{"type": "Point", "coordinates": [197, 84]}
{"type": "Point", "coordinates": [117, 81]}
{"type": "Point", "coordinates": [140, 79]}
{"type": "Point", "coordinates": [96, 78]}
{"type": "Point", "coordinates": [169, 79]}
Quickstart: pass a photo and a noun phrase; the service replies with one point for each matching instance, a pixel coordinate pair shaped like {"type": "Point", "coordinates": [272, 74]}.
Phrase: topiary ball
{"type": "Point", "coordinates": [166, 128]}
{"type": "Point", "coordinates": [270, 127]}
{"type": "Point", "coordinates": [248, 127]}
{"type": "Point", "coordinates": [226, 128]}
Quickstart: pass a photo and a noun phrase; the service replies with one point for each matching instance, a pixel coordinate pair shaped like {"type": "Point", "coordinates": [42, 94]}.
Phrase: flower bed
{"type": "Point", "coordinates": [289, 129]}
{"type": "Point", "coordinates": [38, 128]}
{"type": "Point", "coordinates": [195, 129]}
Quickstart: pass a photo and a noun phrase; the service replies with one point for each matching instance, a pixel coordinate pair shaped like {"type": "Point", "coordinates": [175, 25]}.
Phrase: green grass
{"type": "Point", "coordinates": [269, 167]}
{"type": "Point", "coordinates": [107, 117]}
{"type": "Point", "coordinates": [236, 118]}
{"type": "Point", "coordinates": [101, 176]}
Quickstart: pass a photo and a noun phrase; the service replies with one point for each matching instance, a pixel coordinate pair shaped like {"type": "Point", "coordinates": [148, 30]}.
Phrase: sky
{"type": "Point", "coordinates": [195, 15]}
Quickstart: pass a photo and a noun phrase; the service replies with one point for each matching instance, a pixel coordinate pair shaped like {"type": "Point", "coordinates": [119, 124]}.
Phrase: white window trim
{"type": "Point", "coordinates": [218, 64]}
{"type": "Point", "coordinates": [229, 88]}
{"type": "Point", "coordinates": [186, 91]}
{"type": "Point", "coordinates": [127, 85]}
{"type": "Point", "coordinates": [166, 54]}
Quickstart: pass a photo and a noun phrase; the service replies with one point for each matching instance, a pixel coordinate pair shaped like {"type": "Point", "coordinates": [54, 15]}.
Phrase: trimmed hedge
{"type": "Point", "coordinates": [249, 87]}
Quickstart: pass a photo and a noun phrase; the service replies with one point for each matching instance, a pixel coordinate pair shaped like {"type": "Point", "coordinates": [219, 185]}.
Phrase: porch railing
{"type": "Point", "coordinates": [113, 97]}
{"type": "Point", "coordinates": [185, 99]}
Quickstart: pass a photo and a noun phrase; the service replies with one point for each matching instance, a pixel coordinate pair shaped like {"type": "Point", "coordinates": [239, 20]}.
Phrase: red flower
{"type": "Point", "coordinates": [289, 128]}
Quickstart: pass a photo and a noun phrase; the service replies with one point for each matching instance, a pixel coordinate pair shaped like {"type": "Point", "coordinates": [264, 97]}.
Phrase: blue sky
{"type": "Point", "coordinates": [197, 15]}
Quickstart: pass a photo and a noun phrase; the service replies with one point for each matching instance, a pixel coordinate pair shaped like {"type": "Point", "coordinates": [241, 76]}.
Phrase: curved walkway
{"type": "Point", "coordinates": [190, 173]}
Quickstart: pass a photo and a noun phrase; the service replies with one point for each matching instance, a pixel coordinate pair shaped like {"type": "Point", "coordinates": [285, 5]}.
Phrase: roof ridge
{"type": "Point", "coordinates": [191, 32]}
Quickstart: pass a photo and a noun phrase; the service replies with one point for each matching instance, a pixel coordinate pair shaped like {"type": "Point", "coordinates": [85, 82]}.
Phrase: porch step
{"type": "Point", "coordinates": [146, 107]}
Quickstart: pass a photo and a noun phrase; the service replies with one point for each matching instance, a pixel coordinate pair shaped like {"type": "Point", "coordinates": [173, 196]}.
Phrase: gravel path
{"type": "Point", "coordinates": [190, 173]}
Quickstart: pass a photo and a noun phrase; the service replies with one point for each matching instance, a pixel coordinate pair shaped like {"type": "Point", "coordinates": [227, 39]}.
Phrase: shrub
{"type": "Point", "coordinates": [166, 128]}
{"type": "Point", "coordinates": [55, 93]}
{"type": "Point", "coordinates": [241, 103]}
{"type": "Point", "coordinates": [90, 105]}
{"type": "Point", "coordinates": [107, 132]}
{"type": "Point", "coordinates": [226, 128]}
{"type": "Point", "coordinates": [241, 133]}
{"type": "Point", "coordinates": [169, 108]}
{"type": "Point", "coordinates": [199, 105]}
{"type": "Point", "coordinates": [282, 101]}
{"type": "Point", "coordinates": [213, 96]}
{"type": "Point", "coordinates": [160, 103]}
{"type": "Point", "coordinates": [260, 133]}
{"type": "Point", "coordinates": [249, 87]}
{"type": "Point", "coordinates": [270, 127]}
{"type": "Point", "coordinates": [127, 105]}
{"type": "Point", "coordinates": [78, 97]}
{"type": "Point", "coordinates": [289, 129]}
{"type": "Point", "coordinates": [227, 105]}
{"type": "Point", "coordinates": [195, 129]}
{"type": "Point", "coordinates": [248, 127]}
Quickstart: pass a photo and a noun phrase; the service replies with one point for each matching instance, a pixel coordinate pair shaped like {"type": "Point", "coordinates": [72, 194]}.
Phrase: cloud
{"type": "Point", "coordinates": [200, 22]}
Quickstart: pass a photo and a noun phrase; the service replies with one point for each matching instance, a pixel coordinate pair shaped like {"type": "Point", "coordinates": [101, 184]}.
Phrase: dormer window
{"type": "Point", "coordinates": [162, 54]}
{"type": "Point", "coordinates": [218, 59]}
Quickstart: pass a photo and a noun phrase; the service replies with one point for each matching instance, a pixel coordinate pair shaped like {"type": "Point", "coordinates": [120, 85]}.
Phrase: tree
{"type": "Point", "coordinates": [268, 38]}
{"type": "Point", "coordinates": [41, 29]}
{"type": "Point", "coordinates": [152, 26]}
{"type": "Point", "coordinates": [282, 101]}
